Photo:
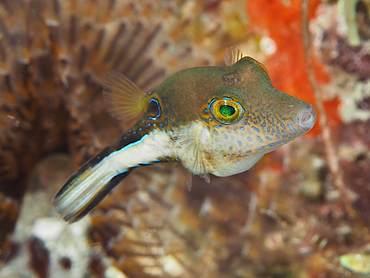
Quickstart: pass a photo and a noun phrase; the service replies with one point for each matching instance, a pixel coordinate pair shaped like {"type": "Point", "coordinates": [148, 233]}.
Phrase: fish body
{"type": "Point", "coordinates": [212, 120]}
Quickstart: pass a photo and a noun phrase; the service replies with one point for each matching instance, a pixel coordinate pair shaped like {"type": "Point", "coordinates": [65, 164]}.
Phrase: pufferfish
{"type": "Point", "coordinates": [212, 120]}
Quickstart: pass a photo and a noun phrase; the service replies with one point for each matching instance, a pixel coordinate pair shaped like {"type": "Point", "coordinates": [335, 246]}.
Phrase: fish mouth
{"type": "Point", "coordinates": [307, 117]}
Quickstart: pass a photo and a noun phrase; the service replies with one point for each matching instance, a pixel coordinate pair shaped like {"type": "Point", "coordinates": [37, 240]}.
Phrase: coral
{"type": "Point", "coordinates": [287, 65]}
{"type": "Point", "coordinates": [349, 10]}
{"type": "Point", "coordinates": [42, 244]}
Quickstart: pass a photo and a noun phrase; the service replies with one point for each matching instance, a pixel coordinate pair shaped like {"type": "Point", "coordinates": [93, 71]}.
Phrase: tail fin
{"type": "Point", "coordinates": [92, 182]}
{"type": "Point", "coordinates": [86, 188]}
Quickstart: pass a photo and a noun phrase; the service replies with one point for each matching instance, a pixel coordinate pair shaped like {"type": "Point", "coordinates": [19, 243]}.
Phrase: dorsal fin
{"type": "Point", "coordinates": [123, 98]}
{"type": "Point", "coordinates": [232, 55]}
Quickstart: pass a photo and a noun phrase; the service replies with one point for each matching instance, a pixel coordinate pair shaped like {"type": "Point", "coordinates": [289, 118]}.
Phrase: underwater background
{"type": "Point", "coordinates": [302, 211]}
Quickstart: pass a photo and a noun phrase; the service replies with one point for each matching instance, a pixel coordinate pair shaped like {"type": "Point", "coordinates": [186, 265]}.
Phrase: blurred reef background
{"type": "Point", "coordinates": [302, 211]}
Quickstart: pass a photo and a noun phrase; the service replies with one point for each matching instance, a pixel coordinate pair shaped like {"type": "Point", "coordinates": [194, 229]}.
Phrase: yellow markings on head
{"type": "Point", "coordinates": [226, 110]}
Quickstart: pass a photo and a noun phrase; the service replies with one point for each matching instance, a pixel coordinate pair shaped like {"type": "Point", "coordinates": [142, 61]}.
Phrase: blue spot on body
{"type": "Point", "coordinates": [255, 129]}
{"type": "Point", "coordinates": [235, 131]}
{"type": "Point", "coordinates": [277, 137]}
{"type": "Point", "coordinates": [242, 128]}
{"type": "Point", "coordinates": [282, 125]}
{"type": "Point", "coordinates": [240, 143]}
{"type": "Point", "coordinates": [264, 124]}
{"type": "Point", "coordinates": [247, 152]}
{"type": "Point", "coordinates": [249, 139]}
{"type": "Point", "coordinates": [275, 143]}
{"type": "Point", "coordinates": [259, 139]}
{"type": "Point", "coordinates": [277, 130]}
{"type": "Point", "coordinates": [291, 128]}
{"type": "Point", "coordinates": [225, 136]}
{"type": "Point", "coordinates": [268, 138]}
{"type": "Point", "coordinates": [260, 148]}
{"type": "Point", "coordinates": [215, 132]}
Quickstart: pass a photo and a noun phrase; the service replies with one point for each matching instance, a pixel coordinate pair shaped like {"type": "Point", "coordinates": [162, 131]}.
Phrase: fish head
{"type": "Point", "coordinates": [247, 98]}
{"type": "Point", "coordinates": [232, 115]}
{"type": "Point", "coordinates": [247, 117]}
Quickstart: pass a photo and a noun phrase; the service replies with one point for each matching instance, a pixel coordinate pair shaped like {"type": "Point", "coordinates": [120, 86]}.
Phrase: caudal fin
{"type": "Point", "coordinates": [92, 182]}
{"type": "Point", "coordinates": [85, 189]}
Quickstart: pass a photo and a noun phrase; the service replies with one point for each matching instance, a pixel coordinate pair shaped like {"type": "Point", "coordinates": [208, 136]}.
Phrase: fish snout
{"type": "Point", "coordinates": [307, 117]}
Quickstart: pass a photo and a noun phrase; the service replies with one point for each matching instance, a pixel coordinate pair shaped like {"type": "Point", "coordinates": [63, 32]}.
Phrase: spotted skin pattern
{"type": "Point", "coordinates": [212, 120]}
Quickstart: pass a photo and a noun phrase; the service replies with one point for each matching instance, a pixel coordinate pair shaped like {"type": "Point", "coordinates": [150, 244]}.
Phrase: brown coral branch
{"type": "Point", "coordinates": [331, 152]}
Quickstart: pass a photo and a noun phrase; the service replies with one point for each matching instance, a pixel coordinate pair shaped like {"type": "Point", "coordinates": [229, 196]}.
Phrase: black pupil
{"type": "Point", "coordinates": [227, 110]}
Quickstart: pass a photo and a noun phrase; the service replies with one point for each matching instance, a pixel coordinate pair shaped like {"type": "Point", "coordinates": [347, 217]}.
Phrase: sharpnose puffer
{"type": "Point", "coordinates": [212, 120]}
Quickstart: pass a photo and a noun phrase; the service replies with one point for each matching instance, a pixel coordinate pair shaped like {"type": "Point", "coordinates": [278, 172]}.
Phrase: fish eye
{"type": "Point", "coordinates": [226, 110]}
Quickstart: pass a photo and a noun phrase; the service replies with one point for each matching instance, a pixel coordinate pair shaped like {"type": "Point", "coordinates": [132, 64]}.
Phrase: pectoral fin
{"type": "Point", "coordinates": [123, 98]}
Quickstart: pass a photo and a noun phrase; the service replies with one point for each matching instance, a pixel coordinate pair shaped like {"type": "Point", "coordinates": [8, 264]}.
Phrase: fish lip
{"type": "Point", "coordinates": [307, 117]}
